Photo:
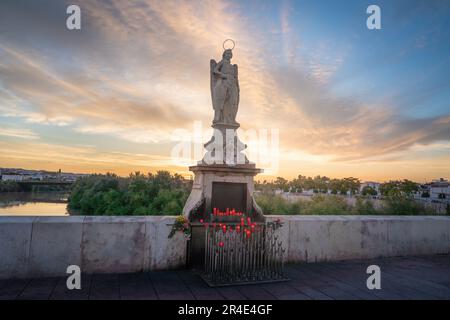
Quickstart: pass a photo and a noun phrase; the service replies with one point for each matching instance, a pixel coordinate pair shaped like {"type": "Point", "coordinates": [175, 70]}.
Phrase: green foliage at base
{"type": "Point", "coordinates": [276, 204]}
{"type": "Point", "coordinates": [138, 194]}
{"type": "Point", "coordinates": [336, 205]}
{"type": "Point", "coordinates": [403, 205]}
{"type": "Point", "coordinates": [319, 204]}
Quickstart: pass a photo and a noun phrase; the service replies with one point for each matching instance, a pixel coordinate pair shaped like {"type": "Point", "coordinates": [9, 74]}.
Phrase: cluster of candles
{"type": "Point", "coordinates": [247, 226]}
{"type": "Point", "coordinates": [228, 212]}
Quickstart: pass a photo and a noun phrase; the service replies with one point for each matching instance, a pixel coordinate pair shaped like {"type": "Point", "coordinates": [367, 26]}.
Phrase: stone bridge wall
{"type": "Point", "coordinates": [45, 246]}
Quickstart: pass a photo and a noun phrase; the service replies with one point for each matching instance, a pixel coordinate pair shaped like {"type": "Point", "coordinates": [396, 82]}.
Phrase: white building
{"type": "Point", "coordinates": [37, 176]}
{"type": "Point", "coordinates": [373, 185]}
{"type": "Point", "coordinates": [440, 190]}
{"type": "Point", "coordinates": [12, 177]}
{"type": "Point", "coordinates": [308, 192]}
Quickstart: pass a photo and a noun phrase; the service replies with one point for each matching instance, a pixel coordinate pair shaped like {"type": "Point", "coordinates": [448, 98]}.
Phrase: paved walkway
{"type": "Point", "coordinates": [401, 278]}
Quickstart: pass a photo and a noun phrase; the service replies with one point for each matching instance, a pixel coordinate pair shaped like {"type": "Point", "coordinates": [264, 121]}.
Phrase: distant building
{"type": "Point", "coordinates": [373, 185]}
{"type": "Point", "coordinates": [69, 178]}
{"type": "Point", "coordinates": [12, 177]}
{"type": "Point", "coordinates": [308, 192]}
{"type": "Point", "coordinates": [13, 174]}
{"type": "Point", "coordinates": [37, 176]}
{"type": "Point", "coordinates": [440, 190]}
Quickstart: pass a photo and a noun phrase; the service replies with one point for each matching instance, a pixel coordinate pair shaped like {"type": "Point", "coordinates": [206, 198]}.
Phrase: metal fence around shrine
{"type": "Point", "coordinates": [234, 257]}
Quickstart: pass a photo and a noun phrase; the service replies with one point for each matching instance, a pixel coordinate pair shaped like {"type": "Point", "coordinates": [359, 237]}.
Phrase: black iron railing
{"type": "Point", "coordinates": [240, 255]}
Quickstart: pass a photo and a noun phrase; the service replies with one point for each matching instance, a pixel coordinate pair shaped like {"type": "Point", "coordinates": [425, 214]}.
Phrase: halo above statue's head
{"type": "Point", "coordinates": [228, 41]}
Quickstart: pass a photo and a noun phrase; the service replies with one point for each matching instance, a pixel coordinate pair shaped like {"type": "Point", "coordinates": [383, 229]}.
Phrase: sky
{"type": "Point", "coordinates": [345, 100]}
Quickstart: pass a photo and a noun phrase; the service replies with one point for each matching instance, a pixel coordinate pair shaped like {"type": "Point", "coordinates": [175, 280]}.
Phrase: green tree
{"type": "Point", "coordinates": [351, 184]}
{"type": "Point", "coordinates": [408, 187]}
{"type": "Point", "coordinates": [365, 207]}
{"type": "Point", "coordinates": [321, 184]}
{"type": "Point", "coordinates": [282, 184]}
{"type": "Point", "coordinates": [395, 187]}
{"type": "Point", "coordinates": [138, 194]}
{"type": "Point", "coordinates": [368, 191]}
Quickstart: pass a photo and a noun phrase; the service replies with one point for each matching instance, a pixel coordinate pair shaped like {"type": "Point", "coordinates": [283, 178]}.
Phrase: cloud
{"type": "Point", "coordinates": [18, 133]}
{"type": "Point", "coordinates": [79, 158]}
{"type": "Point", "coordinates": [121, 111]}
{"type": "Point", "coordinates": [346, 127]}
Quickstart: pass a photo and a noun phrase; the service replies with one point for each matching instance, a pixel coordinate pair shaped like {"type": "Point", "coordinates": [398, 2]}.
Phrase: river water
{"type": "Point", "coordinates": [33, 204]}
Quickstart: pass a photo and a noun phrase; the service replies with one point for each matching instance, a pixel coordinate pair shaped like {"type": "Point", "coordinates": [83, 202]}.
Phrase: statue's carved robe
{"type": "Point", "coordinates": [224, 92]}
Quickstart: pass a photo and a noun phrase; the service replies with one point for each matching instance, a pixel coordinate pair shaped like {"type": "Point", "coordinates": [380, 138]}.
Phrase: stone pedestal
{"type": "Point", "coordinates": [223, 178]}
{"type": "Point", "coordinates": [222, 187]}
{"type": "Point", "coordinates": [224, 147]}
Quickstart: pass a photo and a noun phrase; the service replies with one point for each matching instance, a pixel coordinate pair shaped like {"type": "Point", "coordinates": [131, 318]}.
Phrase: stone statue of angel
{"type": "Point", "coordinates": [224, 89]}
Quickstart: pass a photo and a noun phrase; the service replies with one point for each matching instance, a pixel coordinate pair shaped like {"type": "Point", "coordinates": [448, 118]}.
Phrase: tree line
{"type": "Point", "coordinates": [137, 194]}
{"type": "Point", "coordinates": [165, 193]}
{"type": "Point", "coordinates": [344, 186]}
